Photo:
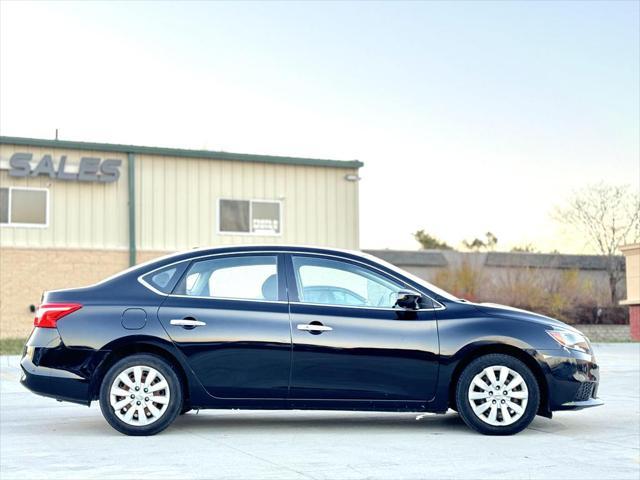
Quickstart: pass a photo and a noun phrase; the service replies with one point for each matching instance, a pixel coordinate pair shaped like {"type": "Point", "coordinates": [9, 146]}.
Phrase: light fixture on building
{"type": "Point", "coordinates": [352, 177]}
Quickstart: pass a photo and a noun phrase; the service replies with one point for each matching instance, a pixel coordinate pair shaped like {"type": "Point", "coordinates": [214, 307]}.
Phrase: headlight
{"type": "Point", "coordinates": [571, 340]}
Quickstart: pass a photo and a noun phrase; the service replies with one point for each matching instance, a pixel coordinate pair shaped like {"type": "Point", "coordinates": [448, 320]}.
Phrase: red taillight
{"type": "Point", "coordinates": [49, 313]}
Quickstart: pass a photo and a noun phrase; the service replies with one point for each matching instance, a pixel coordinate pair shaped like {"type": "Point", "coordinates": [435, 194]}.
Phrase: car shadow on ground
{"type": "Point", "coordinates": [278, 422]}
{"type": "Point", "coordinates": [323, 421]}
{"type": "Point", "coordinates": [286, 423]}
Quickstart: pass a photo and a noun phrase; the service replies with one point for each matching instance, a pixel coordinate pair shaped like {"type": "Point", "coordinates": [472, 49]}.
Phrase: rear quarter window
{"type": "Point", "coordinates": [165, 279]}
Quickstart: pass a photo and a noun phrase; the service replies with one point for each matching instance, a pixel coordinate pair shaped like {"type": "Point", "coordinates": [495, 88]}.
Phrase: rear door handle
{"type": "Point", "coordinates": [186, 322]}
{"type": "Point", "coordinates": [314, 328]}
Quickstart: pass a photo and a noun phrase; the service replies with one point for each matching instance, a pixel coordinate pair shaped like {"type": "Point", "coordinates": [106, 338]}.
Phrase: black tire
{"type": "Point", "coordinates": [464, 404]}
{"type": "Point", "coordinates": [173, 408]}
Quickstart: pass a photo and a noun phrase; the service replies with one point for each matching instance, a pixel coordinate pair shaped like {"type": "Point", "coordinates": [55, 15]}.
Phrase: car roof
{"type": "Point", "coordinates": [277, 246]}
{"type": "Point", "coordinates": [176, 257]}
{"type": "Point", "coordinates": [167, 260]}
{"type": "Point", "coordinates": [204, 251]}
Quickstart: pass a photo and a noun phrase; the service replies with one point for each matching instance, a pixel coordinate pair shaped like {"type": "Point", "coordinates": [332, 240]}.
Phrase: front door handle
{"type": "Point", "coordinates": [314, 328]}
{"type": "Point", "coordinates": [187, 322]}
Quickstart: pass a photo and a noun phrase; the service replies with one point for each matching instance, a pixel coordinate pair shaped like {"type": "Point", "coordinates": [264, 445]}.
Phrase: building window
{"type": "Point", "coordinates": [24, 207]}
{"type": "Point", "coordinates": [249, 217]}
{"type": "Point", "coordinates": [234, 216]}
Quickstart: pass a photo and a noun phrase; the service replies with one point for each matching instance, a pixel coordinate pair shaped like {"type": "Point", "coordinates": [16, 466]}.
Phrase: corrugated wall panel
{"type": "Point", "coordinates": [81, 214]}
{"type": "Point", "coordinates": [318, 205]}
{"type": "Point", "coordinates": [177, 203]}
{"type": "Point", "coordinates": [332, 209]}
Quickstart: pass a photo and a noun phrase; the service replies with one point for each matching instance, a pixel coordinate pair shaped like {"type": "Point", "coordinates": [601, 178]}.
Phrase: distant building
{"type": "Point", "coordinates": [632, 257]}
{"type": "Point", "coordinates": [72, 213]}
{"type": "Point", "coordinates": [427, 263]}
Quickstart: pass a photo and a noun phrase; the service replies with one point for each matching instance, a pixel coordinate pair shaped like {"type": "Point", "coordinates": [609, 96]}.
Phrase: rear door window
{"type": "Point", "coordinates": [245, 277]}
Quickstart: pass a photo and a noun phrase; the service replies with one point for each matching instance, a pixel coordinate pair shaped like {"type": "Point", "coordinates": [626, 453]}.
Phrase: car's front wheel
{"type": "Point", "coordinates": [497, 394]}
{"type": "Point", "coordinates": [141, 395]}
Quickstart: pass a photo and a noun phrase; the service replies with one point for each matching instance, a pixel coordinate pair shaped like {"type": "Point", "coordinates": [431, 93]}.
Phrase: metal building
{"type": "Point", "coordinates": [72, 213]}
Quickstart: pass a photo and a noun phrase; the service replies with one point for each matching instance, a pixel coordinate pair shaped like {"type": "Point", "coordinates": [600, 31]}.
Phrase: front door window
{"type": "Point", "coordinates": [332, 282]}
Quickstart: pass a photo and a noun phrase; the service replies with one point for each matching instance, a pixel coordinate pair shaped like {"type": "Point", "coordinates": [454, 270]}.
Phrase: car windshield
{"type": "Point", "coordinates": [418, 280]}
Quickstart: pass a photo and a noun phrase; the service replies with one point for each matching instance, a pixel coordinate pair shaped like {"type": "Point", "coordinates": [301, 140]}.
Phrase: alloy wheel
{"type": "Point", "coordinates": [498, 395]}
{"type": "Point", "coordinates": [139, 395]}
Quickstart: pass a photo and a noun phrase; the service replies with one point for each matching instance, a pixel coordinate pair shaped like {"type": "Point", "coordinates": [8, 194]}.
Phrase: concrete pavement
{"type": "Point", "coordinates": [41, 438]}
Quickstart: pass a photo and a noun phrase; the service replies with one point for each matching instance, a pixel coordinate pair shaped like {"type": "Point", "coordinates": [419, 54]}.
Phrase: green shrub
{"type": "Point", "coordinates": [12, 346]}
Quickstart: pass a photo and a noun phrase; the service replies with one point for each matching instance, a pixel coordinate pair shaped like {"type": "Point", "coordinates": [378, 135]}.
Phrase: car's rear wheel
{"type": "Point", "coordinates": [141, 395]}
{"type": "Point", "coordinates": [497, 394]}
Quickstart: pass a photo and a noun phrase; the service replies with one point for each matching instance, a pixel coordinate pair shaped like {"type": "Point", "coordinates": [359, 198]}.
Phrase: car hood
{"type": "Point", "coordinates": [504, 311]}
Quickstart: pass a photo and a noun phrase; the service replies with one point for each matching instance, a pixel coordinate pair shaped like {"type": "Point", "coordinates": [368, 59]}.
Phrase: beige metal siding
{"type": "Point", "coordinates": [81, 214]}
{"type": "Point", "coordinates": [177, 202]}
{"type": "Point", "coordinates": [87, 235]}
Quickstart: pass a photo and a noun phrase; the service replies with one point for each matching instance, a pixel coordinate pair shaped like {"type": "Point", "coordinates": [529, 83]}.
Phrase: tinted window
{"type": "Point", "coordinates": [234, 216]}
{"type": "Point", "coordinates": [166, 278]}
{"type": "Point", "coordinates": [242, 277]}
{"type": "Point", "coordinates": [334, 282]}
{"type": "Point", "coordinates": [332, 295]}
{"type": "Point", "coordinates": [163, 278]}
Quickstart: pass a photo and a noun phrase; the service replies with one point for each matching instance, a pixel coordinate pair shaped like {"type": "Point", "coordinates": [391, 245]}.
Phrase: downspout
{"type": "Point", "coordinates": [131, 178]}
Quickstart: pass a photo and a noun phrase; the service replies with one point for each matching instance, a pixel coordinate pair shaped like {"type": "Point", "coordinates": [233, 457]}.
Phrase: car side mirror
{"type": "Point", "coordinates": [408, 299]}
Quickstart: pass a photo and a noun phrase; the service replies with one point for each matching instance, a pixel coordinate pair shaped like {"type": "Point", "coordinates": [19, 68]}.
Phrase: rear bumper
{"type": "Point", "coordinates": [51, 369]}
{"type": "Point", "coordinates": [54, 383]}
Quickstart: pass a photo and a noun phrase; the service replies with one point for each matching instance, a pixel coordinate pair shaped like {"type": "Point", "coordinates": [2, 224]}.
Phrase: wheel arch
{"type": "Point", "coordinates": [527, 358]}
{"type": "Point", "coordinates": [119, 351]}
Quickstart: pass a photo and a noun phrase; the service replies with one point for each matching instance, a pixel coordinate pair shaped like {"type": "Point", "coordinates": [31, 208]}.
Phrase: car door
{"type": "Point", "coordinates": [370, 351]}
{"type": "Point", "coordinates": [229, 316]}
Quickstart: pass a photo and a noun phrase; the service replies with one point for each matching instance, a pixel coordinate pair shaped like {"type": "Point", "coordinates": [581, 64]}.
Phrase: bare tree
{"type": "Point", "coordinates": [478, 244]}
{"type": "Point", "coordinates": [429, 242]}
{"type": "Point", "coordinates": [609, 216]}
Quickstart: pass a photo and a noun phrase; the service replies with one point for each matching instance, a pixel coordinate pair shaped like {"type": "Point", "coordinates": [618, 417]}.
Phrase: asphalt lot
{"type": "Point", "coordinates": [41, 438]}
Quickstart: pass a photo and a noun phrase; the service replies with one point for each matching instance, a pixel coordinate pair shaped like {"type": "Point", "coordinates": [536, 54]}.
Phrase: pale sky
{"type": "Point", "coordinates": [469, 116]}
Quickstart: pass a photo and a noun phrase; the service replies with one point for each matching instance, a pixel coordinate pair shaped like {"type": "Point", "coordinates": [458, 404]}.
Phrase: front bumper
{"type": "Point", "coordinates": [573, 379]}
{"type": "Point", "coordinates": [592, 402]}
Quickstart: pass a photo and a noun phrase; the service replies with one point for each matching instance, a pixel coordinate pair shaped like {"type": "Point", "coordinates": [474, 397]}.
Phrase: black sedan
{"type": "Point", "coordinates": [299, 328]}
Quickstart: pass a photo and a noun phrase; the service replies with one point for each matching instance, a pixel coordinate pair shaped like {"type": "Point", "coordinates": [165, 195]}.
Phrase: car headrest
{"type": "Point", "coordinates": [270, 288]}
